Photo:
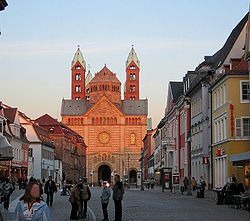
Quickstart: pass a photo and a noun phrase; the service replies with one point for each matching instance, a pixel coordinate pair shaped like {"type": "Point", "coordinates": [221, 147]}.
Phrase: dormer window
{"type": "Point", "coordinates": [132, 67]}
{"type": "Point", "coordinates": [78, 67]}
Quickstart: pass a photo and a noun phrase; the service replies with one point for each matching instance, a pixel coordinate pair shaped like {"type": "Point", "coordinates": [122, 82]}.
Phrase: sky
{"type": "Point", "coordinates": [39, 38]}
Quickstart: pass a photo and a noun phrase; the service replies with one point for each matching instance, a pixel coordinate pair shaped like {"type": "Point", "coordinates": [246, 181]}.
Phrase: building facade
{"type": "Point", "coordinates": [70, 149]}
{"type": "Point", "coordinates": [41, 149]}
{"type": "Point", "coordinates": [113, 129]}
{"type": "Point", "coordinates": [230, 121]}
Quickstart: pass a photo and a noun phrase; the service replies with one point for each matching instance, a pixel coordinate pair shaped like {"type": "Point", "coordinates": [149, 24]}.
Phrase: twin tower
{"type": "Point", "coordinates": [104, 82]}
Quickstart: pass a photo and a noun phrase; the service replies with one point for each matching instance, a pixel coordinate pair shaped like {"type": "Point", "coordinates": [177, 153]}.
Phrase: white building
{"type": "Point", "coordinates": [41, 153]}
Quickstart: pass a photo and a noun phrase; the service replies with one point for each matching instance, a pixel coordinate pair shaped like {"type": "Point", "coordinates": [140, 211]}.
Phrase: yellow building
{"type": "Point", "coordinates": [230, 122]}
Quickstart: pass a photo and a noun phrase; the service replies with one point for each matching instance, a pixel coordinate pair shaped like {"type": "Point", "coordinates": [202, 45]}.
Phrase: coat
{"type": "Point", "coordinates": [105, 195]}
{"type": "Point", "coordinates": [76, 195]}
{"type": "Point", "coordinates": [50, 189]}
{"type": "Point", "coordinates": [118, 191]}
{"type": "Point", "coordinates": [41, 212]}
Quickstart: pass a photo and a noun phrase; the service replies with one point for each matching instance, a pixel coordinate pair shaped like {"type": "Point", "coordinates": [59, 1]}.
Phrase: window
{"type": "Point", "coordinates": [221, 96]}
{"type": "Point", "coordinates": [76, 88]}
{"type": "Point", "coordinates": [215, 104]}
{"type": "Point", "coordinates": [245, 92]}
{"type": "Point", "coordinates": [132, 138]}
{"type": "Point", "coordinates": [76, 77]}
{"type": "Point", "coordinates": [246, 126]}
{"type": "Point", "coordinates": [225, 93]}
{"type": "Point", "coordinates": [238, 127]}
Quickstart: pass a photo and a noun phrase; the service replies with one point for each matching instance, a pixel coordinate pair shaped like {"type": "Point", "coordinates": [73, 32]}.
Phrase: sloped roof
{"type": "Point", "coordinates": [105, 75]}
{"type": "Point", "coordinates": [10, 113]}
{"type": "Point", "coordinates": [46, 120]}
{"type": "Point", "coordinates": [78, 57]}
{"type": "Point", "coordinates": [176, 89]}
{"type": "Point", "coordinates": [74, 107]}
{"type": "Point", "coordinates": [43, 135]}
{"type": "Point", "coordinates": [128, 107]}
{"type": "Point", "coordinates": [219, 57]}
{"type": "Point", "coordinates": [88, 78]}
{"type": "Point", "coordinates": [132, 57]}
{"type": "Point", "coordinates": [134, 107]}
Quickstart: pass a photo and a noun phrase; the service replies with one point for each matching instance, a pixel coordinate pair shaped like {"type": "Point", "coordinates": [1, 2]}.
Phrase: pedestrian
{"type": "Point", "coordinates": [118, 192]}
{"type": "Point", "coordinates": [19, 181]}
{"type": "Point", "coordinates": [186, 182]}
{"type": "Point", "coordinates": [234, 180]}
{"type": "Point", "coordinates": [194, 183]}
{"type": "Point", "coordinates": [152, 183]}
{"type": "Point", "coordinates": [202, 182]}
{"type": "Point", "coordinates": [7, 191]}
{"type": "Point", "coordinates": [99, 183]}
{"type": "Point", "coordinates": [31, 207]}
{"type": "Point", "coordinates": [148, 183]}
{"type": "Point", "coordinates": [105, 200]}
{"type": "Point", "coordinates": [43, 180]}
{"type": "Point", "coordinates": [50, 189]}
{"type": "Point", "coordinates": [85, 197]}
{"type": "Point", "coordinates": [78, 195]}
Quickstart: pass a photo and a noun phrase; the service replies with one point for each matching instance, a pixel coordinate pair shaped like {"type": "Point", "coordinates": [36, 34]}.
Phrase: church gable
{"type": "Point", "coordinates": [104, 107]}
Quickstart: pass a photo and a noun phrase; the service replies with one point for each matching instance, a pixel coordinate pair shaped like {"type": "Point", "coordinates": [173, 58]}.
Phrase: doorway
{"type": "Point", "coordinates": [132, 176]}
{"type": "Point", "coordinates": [104, 173]}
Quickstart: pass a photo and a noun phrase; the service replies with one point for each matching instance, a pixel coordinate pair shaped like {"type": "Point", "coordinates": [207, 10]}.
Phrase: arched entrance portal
{"type": "Point", "coordinates": [132, 176]}
{"type": "Point", "coordinates": [104, 173]}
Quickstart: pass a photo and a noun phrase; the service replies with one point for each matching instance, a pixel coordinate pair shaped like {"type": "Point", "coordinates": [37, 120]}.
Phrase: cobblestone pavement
{"type": "Point", "coordinates": [148, 205]}
{"type": "Point", "coordinates": [153, 205]}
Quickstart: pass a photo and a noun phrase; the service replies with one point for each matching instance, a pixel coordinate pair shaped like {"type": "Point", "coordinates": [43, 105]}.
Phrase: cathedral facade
{"type": "Point", "coordinates": [113, 129]}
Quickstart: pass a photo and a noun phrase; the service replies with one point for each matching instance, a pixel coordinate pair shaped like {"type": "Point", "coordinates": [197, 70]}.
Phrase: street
{"type": "Point", "coordinates": [148, 205]}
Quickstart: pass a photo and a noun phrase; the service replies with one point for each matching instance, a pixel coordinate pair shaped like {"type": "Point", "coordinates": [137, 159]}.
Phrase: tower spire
{"type": "Point", "coordinates": [132, 57]}
{"type": "Point", "coordinates": [131, 90]}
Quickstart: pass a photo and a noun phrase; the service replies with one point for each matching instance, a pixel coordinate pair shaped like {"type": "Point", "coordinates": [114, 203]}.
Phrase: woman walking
{"type": "Point", "coordinates": [31, 207]}
{"type": "Point", "coordinates": [105, 200]}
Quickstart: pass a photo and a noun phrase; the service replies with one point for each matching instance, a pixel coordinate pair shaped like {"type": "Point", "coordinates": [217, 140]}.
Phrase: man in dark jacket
{"type": "Point", "coordinates": [50, 189]}
{"type": "Point", "coordinates": [118, 192]}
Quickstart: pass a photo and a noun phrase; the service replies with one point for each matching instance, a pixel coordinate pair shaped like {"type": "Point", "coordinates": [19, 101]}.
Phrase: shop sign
{"type": "Point", "coordinates": [219, 152]}
{"type": "Point", "coordinates": [205, 160]}
{"type": "Point", "coordinates": [176, 179]}
{"type": "Point", "coordinates": [232, 119]}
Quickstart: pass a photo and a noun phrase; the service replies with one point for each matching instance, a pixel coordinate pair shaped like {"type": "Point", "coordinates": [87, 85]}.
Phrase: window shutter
{"type": "Point", "coordinates": [238, 127]}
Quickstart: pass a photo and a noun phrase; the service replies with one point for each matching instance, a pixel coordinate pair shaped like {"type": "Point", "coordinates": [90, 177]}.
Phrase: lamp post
{"type": "Point", "coordinates": [128, 171]}
{"type": "Point", "coordinates": [142, 186]}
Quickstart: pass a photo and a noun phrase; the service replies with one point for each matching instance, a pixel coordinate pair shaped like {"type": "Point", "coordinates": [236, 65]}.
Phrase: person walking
{"type": "Point", "coordinates": [105, 200]}
{"type": "Point", "coordinates": [118, 192]}
{"type": "Point", "coordinates": [50, 189]}
{"type": "Point", "coordinates": [41, 186]}
{"type": "Point", "coordinates": [194, 183]}
{"type": "Point", "coordinates": [7, 191]}
{"type": "Point", "coordinates": [185, 184]}
{"type": "Point", "coordinates": [31, 207]}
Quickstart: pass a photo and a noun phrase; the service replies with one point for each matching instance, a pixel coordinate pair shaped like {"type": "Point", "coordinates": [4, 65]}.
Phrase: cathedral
{"type": "Point", "coordinates": [112, 128]}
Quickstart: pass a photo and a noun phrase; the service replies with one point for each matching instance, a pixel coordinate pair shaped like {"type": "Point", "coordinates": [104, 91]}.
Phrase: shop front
{"type": "Point", "coordinates": [242, 160]}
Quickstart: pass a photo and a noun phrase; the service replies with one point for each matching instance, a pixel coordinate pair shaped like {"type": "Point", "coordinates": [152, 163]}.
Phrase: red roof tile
{"type": "Point", "coordinates": [105, 75]}
{"type": "Point", "coordinates": [10, 113]}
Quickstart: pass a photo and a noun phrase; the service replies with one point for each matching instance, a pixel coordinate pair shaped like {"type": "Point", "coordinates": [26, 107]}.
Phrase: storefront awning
{"type": "Point", "coordinates": [240, 159]}
{"type": "Point", "coordinates": [6, 151]}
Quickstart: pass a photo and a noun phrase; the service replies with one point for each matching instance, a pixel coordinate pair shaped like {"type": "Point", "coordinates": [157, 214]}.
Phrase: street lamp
{"type": "Point", "coordinates": [128, 171]}
{"type": "Point", "coordinates": [142, 186]}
